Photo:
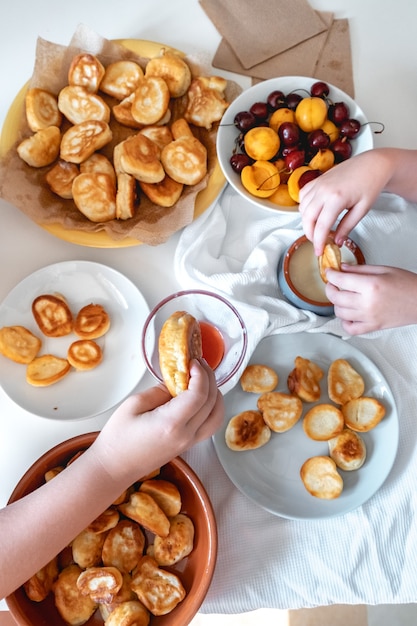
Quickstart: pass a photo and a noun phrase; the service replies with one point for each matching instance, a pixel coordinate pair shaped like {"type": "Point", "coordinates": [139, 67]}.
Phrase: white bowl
{"type": "Point", "coordinates": [228, 133]}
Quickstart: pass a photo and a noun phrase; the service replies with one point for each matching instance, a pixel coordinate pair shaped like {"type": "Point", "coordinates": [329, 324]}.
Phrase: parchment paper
{"type": "Point", "coordinates": [25, 186]}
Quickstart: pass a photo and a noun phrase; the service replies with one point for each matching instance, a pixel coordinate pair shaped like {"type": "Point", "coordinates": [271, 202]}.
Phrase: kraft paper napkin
{"type": "Point", "coordinates": [260, 29]}
{"type": "Point", "coordinates": [335, 63]}
{"type": "Point", "coordinates": [299, 60]}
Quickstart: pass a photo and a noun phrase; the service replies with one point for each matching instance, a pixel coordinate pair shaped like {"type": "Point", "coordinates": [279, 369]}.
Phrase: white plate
{"type": "Point", "coordinates": [227, 132]}
{"type": "Point", "coordinates": [79, 394]}
{"type": "Point", "coordinates": [270, 475]}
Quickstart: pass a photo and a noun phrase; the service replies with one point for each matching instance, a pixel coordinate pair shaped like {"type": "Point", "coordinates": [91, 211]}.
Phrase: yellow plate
{"type": "Point", "coordinates": [101, 239]}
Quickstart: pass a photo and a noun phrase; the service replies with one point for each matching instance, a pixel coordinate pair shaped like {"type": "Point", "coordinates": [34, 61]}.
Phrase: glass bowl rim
{"type": "Point", "coordinates": [203, 292]}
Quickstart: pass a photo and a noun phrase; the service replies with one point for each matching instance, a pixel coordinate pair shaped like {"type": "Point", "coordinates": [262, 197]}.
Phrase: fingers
{"type": "Point", "coordinates": [145, 400]}
{"type": "Point", "coordinates": [318, 217]}
{"type": "Point", "coordinates": [209, 415]}
{"type": "Point", "coordinates": [213, 421]}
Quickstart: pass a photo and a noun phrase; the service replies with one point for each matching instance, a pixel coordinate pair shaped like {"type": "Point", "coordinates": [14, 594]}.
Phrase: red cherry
{"type": "Point", "coordinates": [294, 159]}
{"type": "Point", "coordinates": [338, 112]}
{"type": "Point", "coordinates": [342, 149]}
{"type": "Point", "coordinates": [259, 110]}
{"type": "Point", "coordinates": [293, 99]}
{"type": "Point", "coordinates": [318, 139]}
{"type": "Point", "coordinates": [276, 100]}
{"type": "Point", "coordinates": [350, 128]}
{"type": "Point", "coordinates": [307, 176]}
{"type": "Point", "coordinates": [289, 133]}
{"type": "Point", "coordinates": [244, 120]}
{"type": "Point", "coordinates": [320, 89]}
{"type": "Point", "coordinates": [239, 161]}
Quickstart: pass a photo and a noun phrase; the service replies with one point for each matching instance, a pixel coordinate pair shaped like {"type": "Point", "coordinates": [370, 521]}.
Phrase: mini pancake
{"type": "Point", "coordinates": [87, 71]}
{"type": "Point", "coordinates": [247, 431]}
{"type": "Point", "coordinates": [344, 382]}
{"type": "Point", "coordinates": [19, 344]}
{"type": "Point", "coordinates": [79, 105]}
{"type": "Point", "coordinates": [165, 193]}
{"type": "Point", "coordinates": [158, 589]}
{"type": "Point", "coordinates": [173, 69]}
{"type": "Point", "coordinates": [46, 370]}
{"type": "Point", "coordinates": [94, 196]}
{"type": "Point", "coordinates": [81, 140]}
{"type": "Point", "coordinates": [331, 258]}
{"type": "Point", "coordinates": [151, 100]}
{"type": "Point", "coordinates": [41, 148]}
{"type": "Point", "coordinates": [53, 315]}
{"type": "Point", "coordinates": [178, 544]}
{"type": "Point", "coordinates": [206, 101]}
{"type": "Point", "coordinates": [126, 196]}
{"type": "Point", "coordinates": [84, 354]}
{"type": "Point", "coordinates": [121, 78]}
{"type": "Point", "coordinates": [304, 379]}
{"type": "Point", "coordinates": [143, 509]}
{"type": "Point", "coordinates": [98, 162]}
{"type": "Point", "coordinates": [258, 378]}
{"type": "Point", "coordinates": [41, 109]}
{"type": "Point", "coordinates": [179, 341]}
{"type": "Point", "coordinates": [185, 160]}
{"type": "Point", "coordinates": [92, 321]}
{"type": "Point", "coordinates": [60, 178]}
{"type": "Point", "coordinates": [280, 411]}
{"type": "Point", "coordinates": [140, 157]}
{"type": "Point", "coordinates": [73, 607]}
{"type": "Point", "coordinates": [348, 450]}
{"type": "Point", "coordinates": [321, 478]}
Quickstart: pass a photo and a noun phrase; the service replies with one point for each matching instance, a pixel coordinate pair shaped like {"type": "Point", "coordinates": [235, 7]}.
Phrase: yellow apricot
{"type": "Point", "coordinates": [330, 129]}
{"type": "Point", "coordinates": [282, 197]}
{"type": "Point", "coordinates": [311, 113]}
{"type": "Point", "coordinates": [293, 188]}
{"type": "Point", "coordinates": [323, 160]}
{"type": "Point", "coordinates": [279, 116]}
{"type": "Point", "coordinates": [261, 143]}
{"type": "Point", "coordinates": [261, 178]}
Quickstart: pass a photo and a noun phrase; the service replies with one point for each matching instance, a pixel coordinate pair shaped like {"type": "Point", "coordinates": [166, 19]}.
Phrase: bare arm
{"type": "Point", "coordinates": [145, 432]}
{"type": "Point", "coordinates": [351, 188]}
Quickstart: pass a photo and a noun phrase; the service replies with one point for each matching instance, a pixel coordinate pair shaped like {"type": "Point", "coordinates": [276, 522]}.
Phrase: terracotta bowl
{"type": "Point", "coordinates": [299, 279]}
{"type": "Point", "coordinates": [196, 571]}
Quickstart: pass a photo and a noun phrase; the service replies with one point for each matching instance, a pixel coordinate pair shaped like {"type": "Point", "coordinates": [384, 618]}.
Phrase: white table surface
{"type": "Point", "coordinates": [384, 50]}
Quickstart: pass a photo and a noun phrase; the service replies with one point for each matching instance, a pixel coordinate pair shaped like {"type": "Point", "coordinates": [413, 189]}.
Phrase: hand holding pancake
{"type": "Point", "coordinates": [179, 342]}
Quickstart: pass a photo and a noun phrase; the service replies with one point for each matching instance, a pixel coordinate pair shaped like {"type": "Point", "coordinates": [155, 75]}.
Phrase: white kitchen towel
{"type": "Point", "coordinates": [234, 248]}
{"type": "Point", "coordinates": [369, 555]}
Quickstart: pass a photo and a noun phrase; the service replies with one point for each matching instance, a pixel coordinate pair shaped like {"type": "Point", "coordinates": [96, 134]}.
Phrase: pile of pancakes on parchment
{"type": "Point", "coordinates": [124, 144]}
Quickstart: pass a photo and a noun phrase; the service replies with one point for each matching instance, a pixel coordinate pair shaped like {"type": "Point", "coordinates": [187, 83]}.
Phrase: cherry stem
{"type": "Point", "coordinates": [301, 89]}
{"type": "Point", "coordinates": [266, 180]}
{"type": "Point", "coordinates": [376, 132]}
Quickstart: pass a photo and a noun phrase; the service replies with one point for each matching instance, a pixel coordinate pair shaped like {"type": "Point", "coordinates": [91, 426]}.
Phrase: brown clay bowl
{"type": "Point", "coordinates": [196, 571]}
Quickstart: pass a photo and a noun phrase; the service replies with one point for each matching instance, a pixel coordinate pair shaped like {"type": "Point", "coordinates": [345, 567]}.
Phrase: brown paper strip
{"type": "Point", "coordinates": [260, 29]}
{"type": "Point", "coordinates": [300, 60]}
{"type": "Point", "coordinates": [335, 63]}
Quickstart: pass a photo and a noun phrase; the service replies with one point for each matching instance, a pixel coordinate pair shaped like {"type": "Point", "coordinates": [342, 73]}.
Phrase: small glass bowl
{"type": "Point", "coordinates": [299, 278]}
{"type": "Point", "coordinates": [209, 309]}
